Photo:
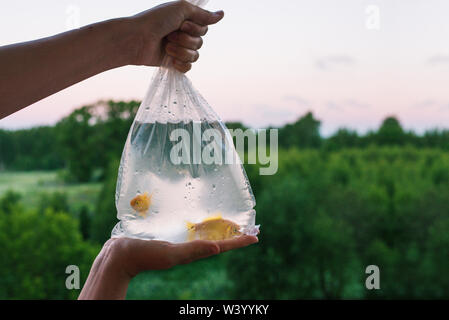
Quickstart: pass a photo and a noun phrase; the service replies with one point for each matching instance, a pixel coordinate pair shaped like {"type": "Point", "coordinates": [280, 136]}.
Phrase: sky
{"type": "Point", "coordinates": [351, 62]}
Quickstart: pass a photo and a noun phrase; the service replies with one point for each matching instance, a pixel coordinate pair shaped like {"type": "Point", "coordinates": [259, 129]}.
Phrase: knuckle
{"type": "Point", "coordinates": [187, 55]}
{"type": "Point", "coordinates": [196, 56]}
{"type": "Point", "coordinates": [200, 43]}
{"type": "Point", "coordinates": [188, 67]}
{"type": "Point", "coordinates": [186, 26]}
{"type": "Point", "coordinates": [184, 5]}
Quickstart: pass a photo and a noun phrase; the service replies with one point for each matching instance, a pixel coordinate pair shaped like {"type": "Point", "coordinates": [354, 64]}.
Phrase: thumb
{"type": "Point", "coordinates": [201, 16]}
{"type": "Point", "coordinates": [190, 251]}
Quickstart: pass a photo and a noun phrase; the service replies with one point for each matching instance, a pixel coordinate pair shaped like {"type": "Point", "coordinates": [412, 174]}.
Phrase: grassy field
{"type": "Point", "coordinates": [32, 184]}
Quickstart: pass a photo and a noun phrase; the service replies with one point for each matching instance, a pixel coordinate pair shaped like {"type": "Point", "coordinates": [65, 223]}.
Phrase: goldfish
{"type": "Point", "coordinates": [141, 204]}
{"type": "Point", "coordinates": [213, 228]}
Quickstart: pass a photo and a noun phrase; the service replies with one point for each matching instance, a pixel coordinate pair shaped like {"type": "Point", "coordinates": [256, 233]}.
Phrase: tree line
{"type": "Point", "coordinates": [83, 143]}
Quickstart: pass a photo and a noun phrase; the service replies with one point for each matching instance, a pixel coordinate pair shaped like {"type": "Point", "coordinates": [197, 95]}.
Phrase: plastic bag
{"type": "Point", "coordinates": [180, 178]}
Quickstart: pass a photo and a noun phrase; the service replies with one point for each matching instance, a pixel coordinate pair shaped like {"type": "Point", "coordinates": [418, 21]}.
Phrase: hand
{"type": "Point", "coordinates": [175, 29]}
{"type": "Point", "coordinates": [122, 259]}
{"type": "Point", "coordinates": [62, 60]}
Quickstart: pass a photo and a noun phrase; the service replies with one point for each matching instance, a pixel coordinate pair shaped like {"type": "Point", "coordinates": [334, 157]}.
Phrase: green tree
{"type": "Point", "coordinates": [36, 249]}
{"type": "Point", "coordinates": [84, 221]}
{"type": "Point", "coordinates": [9, 200]}
{"type": "Point", "coordinates": [92, 136]}
{"type": "Point", "coordinates": [57, 201]}
{"type": "Point", "coordinates": [105, 216]}
{"type": "Point", "coordinates": [304, 133]}
{"type": "Point", "coordinates": [390, 132]}
{"type": "Point", "coordinates": [343, 138]}
{"type": "Point", "coordinates": [79, 144]}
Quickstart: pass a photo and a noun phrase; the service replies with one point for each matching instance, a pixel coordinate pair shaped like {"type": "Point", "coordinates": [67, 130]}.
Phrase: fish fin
{"type": "Point", "coordinates": [190, 231]}
{"type": "Point", "coordinates": [143, 214]}
{"type": "Point", "coordinates": [228, 231]}
{"type": "Point", "coordinates": [217, 217]}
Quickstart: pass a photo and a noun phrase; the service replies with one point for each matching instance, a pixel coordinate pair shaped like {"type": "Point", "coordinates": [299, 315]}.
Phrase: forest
{"type": "Point", "coordinates": [336, 205]}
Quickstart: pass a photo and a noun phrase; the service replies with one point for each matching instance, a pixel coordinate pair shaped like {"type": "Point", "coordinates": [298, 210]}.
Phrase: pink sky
{"type": "Point", "coordinates": [269, 62]}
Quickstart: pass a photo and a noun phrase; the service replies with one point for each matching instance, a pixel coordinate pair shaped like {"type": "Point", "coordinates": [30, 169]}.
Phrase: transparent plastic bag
{"type": "Point", "coordinates": [180, 178]}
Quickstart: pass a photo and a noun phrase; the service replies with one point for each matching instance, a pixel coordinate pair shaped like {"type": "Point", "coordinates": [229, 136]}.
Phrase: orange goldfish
{"type": "Point", "coordinates": [141, 204]}
{"type": "Point", "coordinates": [213, 228]}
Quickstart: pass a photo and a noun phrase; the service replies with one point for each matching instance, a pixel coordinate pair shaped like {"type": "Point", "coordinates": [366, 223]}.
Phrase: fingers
{"type": "Point", "coordinates": [133, 256]}
{"type": "Point", "coordinates": [190, 251]}
{"type": "Point", "coordinates": [182, 47]}
{"type": "Point", "coordinates": [182, 66]}
{"type": "Point", "coordinates": [194, 29]}
{"type": "Point", "coordinates": [181, 53]}
{"type": "Point", "coordinates": [184, 44]}
{"type": "Point", "coordinates": [183, 57]}
{"type": "Point", "coordinates": [201, 16]}
{"type": "Point", "coordinates": [235, 243]}
{"type": "Point", "coordinates": [185, 40]}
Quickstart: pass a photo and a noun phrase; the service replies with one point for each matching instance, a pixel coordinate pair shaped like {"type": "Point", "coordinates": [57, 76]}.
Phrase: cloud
{"type": "Point", "coordinates": [263, 115]}
{"type": "Point", "coordinates": [298, 100]}
{"type": "Point", "coordinates": [272, 112]}
{"type": "Point", "coordinates": [356, 104]}
{"type": "Point", "coordinates": [425, 104]}
{"type": "Point", "coordinates": [331, 62]}
{"type": "Point", "coordinates": [346, 104]}
{"type": "Point", "coordinates": [432, 104]}
{"type": "Point", "coordinates": [438, 60]}
{"type": "Point", "coordinates": [333, 105]}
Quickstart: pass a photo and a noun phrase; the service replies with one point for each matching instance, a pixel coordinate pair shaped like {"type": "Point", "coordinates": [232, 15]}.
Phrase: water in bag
{"type": "Point", "coordinates": [180, 178]}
